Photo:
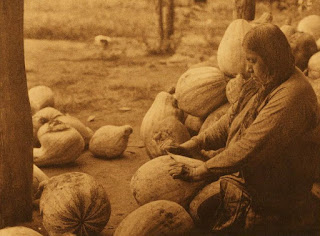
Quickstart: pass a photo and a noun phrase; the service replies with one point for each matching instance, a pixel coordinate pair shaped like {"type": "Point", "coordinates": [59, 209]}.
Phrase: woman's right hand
{"type": "Point", "coordinates": [188, 148]}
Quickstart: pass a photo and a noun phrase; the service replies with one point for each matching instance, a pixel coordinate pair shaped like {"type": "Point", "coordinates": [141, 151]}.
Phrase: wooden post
{"type": "Point", "coordinates": [244, 9]}
{"type": "Point", "coordinates": [160, 22]}
{"type": "Point", "coordinates": [170, 19]}
{"type": "Point", "coordinates": [15, 120]}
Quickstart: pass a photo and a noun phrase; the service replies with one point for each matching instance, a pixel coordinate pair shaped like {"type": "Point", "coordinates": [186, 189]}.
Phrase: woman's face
{"type": "Point", "coordinates": [256, 67]}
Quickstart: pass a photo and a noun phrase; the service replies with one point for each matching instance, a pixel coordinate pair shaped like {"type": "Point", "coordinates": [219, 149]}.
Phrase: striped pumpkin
{"type": "Point", "coordinates": [230, 55]}
{"type": "Point", "coordinates": [74, 203]}
{"type": "Point", "coordinates": [200, 90]}
{"type": "Point", "coordinates": [156, 218]}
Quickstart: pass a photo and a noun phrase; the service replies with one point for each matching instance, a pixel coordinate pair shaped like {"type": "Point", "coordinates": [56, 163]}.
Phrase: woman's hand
{"type": "Point", "coordinates": [186, 172]}
{"type": "Point", "coordinates": [187, 149]}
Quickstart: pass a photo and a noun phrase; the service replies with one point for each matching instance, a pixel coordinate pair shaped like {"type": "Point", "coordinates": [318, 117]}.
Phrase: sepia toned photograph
{"type": "Point", "coordinates": [160, 118]}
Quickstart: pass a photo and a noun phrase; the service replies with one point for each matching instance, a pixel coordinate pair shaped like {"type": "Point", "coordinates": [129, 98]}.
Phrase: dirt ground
{"type": "Point", "coordinates": [89, 81]}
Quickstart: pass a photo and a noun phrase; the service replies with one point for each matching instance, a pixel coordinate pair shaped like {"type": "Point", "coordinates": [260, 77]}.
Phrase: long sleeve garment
{"type": "Point", "coordinates": [277, 155]}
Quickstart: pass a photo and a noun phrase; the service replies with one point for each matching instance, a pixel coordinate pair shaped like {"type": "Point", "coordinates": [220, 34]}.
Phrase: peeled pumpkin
{"type": "Point", "coordinates": [157, 218]}
{"type": "Point", "coordinates": [311, 25]}
{"type": "Point", "coordinates": [169, 131]}
{"type": "Point", "coordinates": [193, 124]}
{"type": "Point", "coordinates": [110, 141]}
{"type": "Point", "coordinates": [303, 46]}
{"type": "Point", "coordinates": [40, 97]}
{"type": "Point", "coordinates": [74, 203]}
{"type": "Point", "coordinates": [233, 88]}
{"type": "Point", "coordinates": [204, 205]}
{"type": "Point", "coordinates": [38, 177]}
{"type": "Point", "coordinates": [230, 55]}
{"type": "Point", "coordinates": [163, 106]}
{"type": "Point", "coordinates": [200, 90]}
{"type": "Point", "coordinates": [78, 125]}
{"type": "Point", "coordinates": [18, 231]}
{"type": "Point", "coordinates": [60, 144]}
{"type": "Point", "coordinates": [314, 66]}
{"type": "Point", "coordinates": [40, 118]}
{"type": "Point", "coordinates": [214, 116]}
{"type": "Point", "coordinates": [152, 182]}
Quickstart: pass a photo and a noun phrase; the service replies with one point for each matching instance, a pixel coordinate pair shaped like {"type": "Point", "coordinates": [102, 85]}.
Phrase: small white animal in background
{"type": "Point", "coordinates": [102, 41]}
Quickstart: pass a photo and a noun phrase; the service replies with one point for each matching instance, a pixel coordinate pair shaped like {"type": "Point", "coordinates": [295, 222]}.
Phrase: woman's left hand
{"type": "Point", "coordinates": [186, 172]}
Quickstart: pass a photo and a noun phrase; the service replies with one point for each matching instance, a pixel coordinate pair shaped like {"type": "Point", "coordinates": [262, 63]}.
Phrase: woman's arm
{"type": "Point", "coordinates": [286, 116]}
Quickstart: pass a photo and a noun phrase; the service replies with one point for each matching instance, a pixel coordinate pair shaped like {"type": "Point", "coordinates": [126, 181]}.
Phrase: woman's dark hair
{"type": "Point", "coordinates": [268, 41]}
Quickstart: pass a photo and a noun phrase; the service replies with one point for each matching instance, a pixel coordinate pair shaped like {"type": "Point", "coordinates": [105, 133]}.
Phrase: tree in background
{"type": "Point", "coordinates": [244, 9]}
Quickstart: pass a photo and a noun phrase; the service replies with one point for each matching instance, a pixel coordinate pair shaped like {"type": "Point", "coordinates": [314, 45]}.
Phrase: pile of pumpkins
{"type": "Point", "coordinates": [60, 138]}
{"type": "Point", "coordinates": [200, 97]}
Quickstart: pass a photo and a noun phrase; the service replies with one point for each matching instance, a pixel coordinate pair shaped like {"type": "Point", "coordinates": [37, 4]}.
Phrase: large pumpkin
{"type": "Point", "coordinates": [40, 97]}
{"type": "Point", "coordinates": [169, 131]}
{"type": "Point", "coordinates": [314, 66]}
{"type": "Point", "coordinates": [74, 203]}
{"type": "Point", "coordinates": [158, 218]}
{"type": "Point", "coordinates": [152, 181]}
{"type": "Point", "coordinates": [230, 55]}
{"type": "Point", "coordinates": [311, 25]}
{"type": "Point", "coordinates": [18, 231]}
{"type": "Point", "coordinates": [38, 177]}
{"type": "Point", "coordinates": [201, 90]}
{"type": "Point", "coordinates": [234, 88]}
{"type": "Point", "coordinates": [193, 124]}
{"type": "Point", "coordinates": [163, 106]}
{"type": "Point", "coordinates": [214, 116]}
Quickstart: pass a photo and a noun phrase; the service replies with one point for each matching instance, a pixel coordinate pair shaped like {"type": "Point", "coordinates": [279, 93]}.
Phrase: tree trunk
{"type": "Point", "coordinates": [170, 19]}
{"type": "Point", "coordinates": [160, 22]}
{"type": "Point", "coordinates": [15, 120]}
{"type": "Point", "coordinates": [244, 9]}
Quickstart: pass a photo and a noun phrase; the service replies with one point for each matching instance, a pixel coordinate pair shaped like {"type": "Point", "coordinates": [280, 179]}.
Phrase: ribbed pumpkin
{"type": "Point", "coordinates": [60, 144]}
{"type": "Point", "coordinates": [311, 25]}
{"type": "Point", "coordinates": [169, 131]}
{"type": "Point", "coordinates": [233, 88]}
{"type": "Point", "coordinates": [158, 218]}
{"type": "Point", "coordinates": [38, 177]}
{"type": "Point", "coordinates": [78, 125]}
{"type": "Point", "coordinates": [214, 116]}
{"type": "Point", "coordinates": [314, 66]}
{"type": "Point", "coordinates": [40, 118]}
{"type": "Point", "coordinates": [303, 46]}
{"type": "Point", "coordinates": [230, 55]}
{"type": "Point", "coordinates": [200, 90]}
{"type": "Point", "coordinates": [18, 231]}
{"type": "Point", "coordinates": [193, 124]}
{"type": "Point", "coordinates": [152, 182]}
{"type": "Point", "coordinates": [40, 96]}
{"type": "Point", "coordinates": [74, 203]}
{"type": "Point", "coordinates": [110, 141]}
{"type": "Point", "coordinates": [163, 106]}
{"type": "Point", "coordinates": [204, 205]}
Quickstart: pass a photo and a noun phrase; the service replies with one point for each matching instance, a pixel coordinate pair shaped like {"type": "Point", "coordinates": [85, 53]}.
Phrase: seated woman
{"type": "Point", "coordinates": [267, 142]}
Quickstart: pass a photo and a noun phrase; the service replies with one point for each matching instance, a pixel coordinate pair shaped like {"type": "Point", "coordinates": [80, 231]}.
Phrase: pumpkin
{"type": "Point", "coordinates": [201, 90]}
{"type": "Point", "coordinates": [152, 182]}
{"type": "Point", "coordinates": [266, 17]}
{"type": "Point", "coordinates": [214, 116]}
{"type": "Point", "coordinates": [75, 203]}
{"type": "Point", "coordinates": [230, 55]}
{"type": "Point", "coordinates": [204, 205]}
{"type": "Point", "coordinates": [110, 141]}
{"type": "Point", "coordinates": [38, 177]}
{"type": "Point", "coordinates": [40, 97]}
{"type": "Point", "coordinates": [158, 218]}
{"type": "Point", "coordinates": [40, 118]}
{"type": "Point", "coordinates": [288, 30]}
{"type": "Point", "coordinates": [303, 46]}
{"type": "Point", "coordinates": [311, 25]}
{"type": "Point", "coordinates": [60, 144]}
{"type": "Point", "coordinates": [18, 231]}
{"type": "Point", "coordinates": [314, 66]}
{"type": "Point", "coordinates": [193, 124]}
{"type": "Point", "coordinates": [78, 125]}
{"type": "Point", "coordinates": [163, 106]}
{"type": "Point", "coordinates": [166, 132]}
{"type": "Point", "coordinates": [233, 88]}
